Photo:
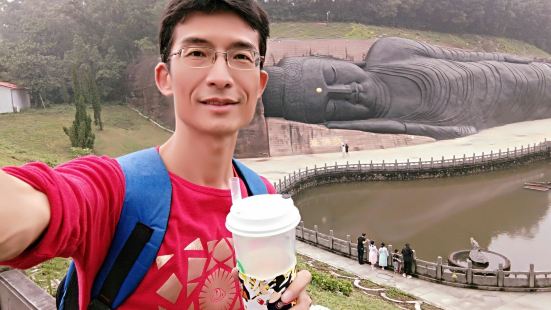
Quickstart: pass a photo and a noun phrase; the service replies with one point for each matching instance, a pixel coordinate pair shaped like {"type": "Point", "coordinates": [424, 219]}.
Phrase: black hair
{"type": "Point", "coordinates": [177, 10]}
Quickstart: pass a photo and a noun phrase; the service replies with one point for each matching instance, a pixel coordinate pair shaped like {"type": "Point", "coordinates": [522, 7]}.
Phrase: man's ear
{"type": "Point", "coordinates": [163, 79]}
{"type": "Point", "coordinates": [263, 82]}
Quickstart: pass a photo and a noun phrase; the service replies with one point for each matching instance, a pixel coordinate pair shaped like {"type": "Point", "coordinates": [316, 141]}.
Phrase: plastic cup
{"type": "Point", "coordinates": [263, 228]}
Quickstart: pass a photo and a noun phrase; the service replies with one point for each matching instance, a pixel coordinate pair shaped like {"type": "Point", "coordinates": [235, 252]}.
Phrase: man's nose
{"type": "Point", "coordinates": [219, 74]}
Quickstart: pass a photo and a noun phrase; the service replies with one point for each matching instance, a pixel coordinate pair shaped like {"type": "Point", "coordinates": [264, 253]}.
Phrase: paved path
{"type": "Point", "coordinates": [443, 296]}
{"type": "Point", "coordinates": [446, 297]}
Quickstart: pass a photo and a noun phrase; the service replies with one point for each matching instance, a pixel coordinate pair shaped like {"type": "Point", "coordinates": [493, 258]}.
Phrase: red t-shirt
{"type": "Point", "coordinates": [192, 269]}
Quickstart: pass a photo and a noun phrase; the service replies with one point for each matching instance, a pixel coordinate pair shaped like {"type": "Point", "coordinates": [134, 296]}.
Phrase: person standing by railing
{"type": "Point", "coordinates": [407, 256]}
{"type": "Point", "coordinates": [383, 256]}
{"type": "Point", "coordinates": [396, 261]}
{"type": "Point", "coordinates": [361, 244]}
{"type": "Point", "coordinates": [373, 254]}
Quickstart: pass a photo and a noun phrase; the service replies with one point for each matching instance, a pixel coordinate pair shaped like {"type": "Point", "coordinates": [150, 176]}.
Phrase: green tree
{"type": "Point", "coordinates": [80, 133]}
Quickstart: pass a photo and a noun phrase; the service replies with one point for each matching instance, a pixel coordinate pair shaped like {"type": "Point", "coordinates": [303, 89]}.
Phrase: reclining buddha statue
{"type": "Point", "coordinates": [408, 87]}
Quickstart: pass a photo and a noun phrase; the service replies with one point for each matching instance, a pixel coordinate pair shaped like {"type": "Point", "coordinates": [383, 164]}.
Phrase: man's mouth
{"type": "Point", "coordinates": [219, 102]}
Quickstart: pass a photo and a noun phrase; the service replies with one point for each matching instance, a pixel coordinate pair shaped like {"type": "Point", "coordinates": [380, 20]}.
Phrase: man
{"type": "Point", "coordinates": [211, 53]}
{"type": "Point", "coordinates": [361, 248]}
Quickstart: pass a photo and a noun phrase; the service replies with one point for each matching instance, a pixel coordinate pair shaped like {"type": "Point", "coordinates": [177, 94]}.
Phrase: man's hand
{"type": "Point", "coordinates": [297, 291]}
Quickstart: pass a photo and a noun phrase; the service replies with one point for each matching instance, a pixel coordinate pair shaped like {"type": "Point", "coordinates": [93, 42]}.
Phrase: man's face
{"type": "Point", "coordinates": [217, 100]}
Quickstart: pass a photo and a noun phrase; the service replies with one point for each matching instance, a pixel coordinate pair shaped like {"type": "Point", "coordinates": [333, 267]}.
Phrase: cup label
{"type": "Point", "coordinates": [265, 294]}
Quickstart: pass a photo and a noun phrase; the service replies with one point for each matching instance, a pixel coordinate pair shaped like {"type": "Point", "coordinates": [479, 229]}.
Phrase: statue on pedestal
{"type": "Point", "coordinates": [476, 256]}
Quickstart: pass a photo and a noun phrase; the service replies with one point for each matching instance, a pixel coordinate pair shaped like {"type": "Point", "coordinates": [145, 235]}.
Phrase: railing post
{"type": "Point", "coordinates": [306, 172]}
{"type": "Point", "coordinates": [371, 165]}
{"type": "Point", "coordinates": [453, 161]}
{"type": "Point", "coordinates": [420, 164]}
{"type": "Point", "coordinates": [474, 158]}
{"type": "Point", "coordinates": [285, 180]}
{"type": "Point", "coordinates": [470, 273]}
{"type": "Point", "coordinates": [332, 239]}
{"type": "Point", "coordinates": [499, 154]}
{"type": "Point", "coordinates": [407, 164]}
{"type": "Point", "coordinates": [325, 169]}
{"type": "Point", "coordinates": [500, 274]}
{"type": "Point", "coordinates": [389, 258]}
{"type": "Point", "coordinates": [347, 165]}
{"type": "Point", "coordinates": [316, 233]}
{"type": "Point", "coordinates": [302, 229]}
{"type": "Point", "coordinates": [442, 162]}
{"type": "Point", "coordinates": [349, 245]}
{"type": "Point", "coordinates": [439, 268]}
{"type": "Point", "coordinates": [491, 155]}
{"type": "Point", "coordinates": [359, 166]}
{"type": "Point", "coordinates": [531, 277]}
{"type": "Point", "coordinates": [464, 159]}
{"type": "Point", "coordinates": [384, 164]}
{"type": "Point", "coordinates": [482, 157]}
{"type": "Point", "coordinates": [315, 170]}
{"type": "Point", "coordinates": [431, 162]}
{"type": "Point", "coordinates": [335, 166]}
{"type": "Point", "coordinates": [395, 165]}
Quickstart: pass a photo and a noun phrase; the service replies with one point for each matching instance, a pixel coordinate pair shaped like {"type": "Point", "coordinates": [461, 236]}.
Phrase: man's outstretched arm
{"type": "Point", "coordinates": [24, 215]}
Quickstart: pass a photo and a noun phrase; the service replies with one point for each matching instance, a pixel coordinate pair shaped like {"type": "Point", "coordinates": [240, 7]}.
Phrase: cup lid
{"type": "Point", "coordinates": [262, 216]}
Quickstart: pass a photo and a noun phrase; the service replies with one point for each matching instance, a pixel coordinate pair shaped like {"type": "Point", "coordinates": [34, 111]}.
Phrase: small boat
{"type": "Point", "coordinates": [537, 187]}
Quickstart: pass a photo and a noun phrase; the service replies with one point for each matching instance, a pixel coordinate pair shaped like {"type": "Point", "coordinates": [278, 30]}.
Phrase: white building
{"type": "Point", "coordinates": [13, 98]}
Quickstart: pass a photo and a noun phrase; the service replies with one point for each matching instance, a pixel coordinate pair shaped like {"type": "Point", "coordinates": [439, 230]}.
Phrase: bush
{"type": "Point", "coordinates": [329, 283]}
{"type": "Point", "coordinates": [78, 151]}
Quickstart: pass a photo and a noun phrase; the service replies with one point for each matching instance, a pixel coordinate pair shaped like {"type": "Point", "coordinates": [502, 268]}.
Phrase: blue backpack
{"type": "Point", "coordinates": [139, 233]}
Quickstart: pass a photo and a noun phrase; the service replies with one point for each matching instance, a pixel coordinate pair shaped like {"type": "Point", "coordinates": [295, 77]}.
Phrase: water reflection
{"type": "Point", "coordinates": [438, 216]}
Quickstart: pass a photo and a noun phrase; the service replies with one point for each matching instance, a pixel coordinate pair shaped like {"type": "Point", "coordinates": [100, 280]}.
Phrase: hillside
{"type": "Point", "coordinates": [365, 32]}
{"type": "Point", "coordinates": [38, 134]}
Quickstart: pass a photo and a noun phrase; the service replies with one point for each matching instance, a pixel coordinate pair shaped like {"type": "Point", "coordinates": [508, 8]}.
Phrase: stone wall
{"type": "Point", "coordinates": [294, 138]}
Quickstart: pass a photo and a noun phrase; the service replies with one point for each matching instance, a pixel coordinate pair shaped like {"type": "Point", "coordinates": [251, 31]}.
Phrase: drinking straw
{"type": "Point", "coordinates": [235, 189]}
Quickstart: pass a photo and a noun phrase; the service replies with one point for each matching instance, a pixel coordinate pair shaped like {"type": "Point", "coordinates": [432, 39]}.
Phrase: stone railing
{"type": "Point", "coordinates": [499, 279]}
{"type": "Point", "coordinates": [18, 292]}
{"type": "Point", "coordinates": [438, 271]}
{"type": "Point", "coordinates": [297, 181]}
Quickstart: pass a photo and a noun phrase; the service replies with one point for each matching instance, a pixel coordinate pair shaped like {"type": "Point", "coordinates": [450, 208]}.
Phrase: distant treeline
{"type": "Point", "coordinates": [43, 42]}
{"type": "Point", "coordinates": [526, 20]}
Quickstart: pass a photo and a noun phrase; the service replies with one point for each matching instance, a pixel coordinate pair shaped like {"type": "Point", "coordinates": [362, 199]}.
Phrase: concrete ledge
{"type": "Point", "coordinates": [487, 288]}
{"type": "Point", "coordinates": [17, 292]}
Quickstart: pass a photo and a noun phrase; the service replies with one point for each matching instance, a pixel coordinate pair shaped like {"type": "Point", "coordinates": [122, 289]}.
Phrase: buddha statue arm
{"type": "Point", "coordinates": [390, 126]}
{"type": "Point", "coordinates": [394, 49]}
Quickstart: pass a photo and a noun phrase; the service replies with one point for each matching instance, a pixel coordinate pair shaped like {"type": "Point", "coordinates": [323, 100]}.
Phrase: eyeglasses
{"type": "Point", "coordinates": [203, 57]}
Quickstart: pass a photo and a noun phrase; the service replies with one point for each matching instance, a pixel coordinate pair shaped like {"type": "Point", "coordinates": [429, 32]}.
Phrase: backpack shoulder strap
{"type": "Point", "coordinates": [253, 182]}
{"type": "Point", "coordinates": [140, 230]}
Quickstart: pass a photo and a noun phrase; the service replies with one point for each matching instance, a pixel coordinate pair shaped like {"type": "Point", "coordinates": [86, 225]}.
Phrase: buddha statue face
{"type": "Point", "coordinates": [316, 90]}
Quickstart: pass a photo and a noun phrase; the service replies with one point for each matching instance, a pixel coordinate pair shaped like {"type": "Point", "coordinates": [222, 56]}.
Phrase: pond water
{"type": "Point", "coordinates": [438, 216]}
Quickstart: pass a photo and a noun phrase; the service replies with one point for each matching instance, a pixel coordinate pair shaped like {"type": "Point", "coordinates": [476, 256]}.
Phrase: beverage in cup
{"type": "Point", "coordinates": [263, 228]}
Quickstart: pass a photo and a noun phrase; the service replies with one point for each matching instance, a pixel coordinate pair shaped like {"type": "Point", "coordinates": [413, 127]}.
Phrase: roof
{"type": "Point", "coordinates": [9, 85]}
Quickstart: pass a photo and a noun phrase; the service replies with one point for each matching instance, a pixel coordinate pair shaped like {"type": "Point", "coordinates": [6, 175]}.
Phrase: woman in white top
{"type": "Point", "coordinates": [373, 253]}
{"type": "Point", "coordinates": [383, 256]}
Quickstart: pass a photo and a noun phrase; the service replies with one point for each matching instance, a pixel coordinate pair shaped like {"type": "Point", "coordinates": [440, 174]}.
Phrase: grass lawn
{"type": "Point", "coordinates": [37, 134]}
{"type": "Point", "coordinates": [291, 30]}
